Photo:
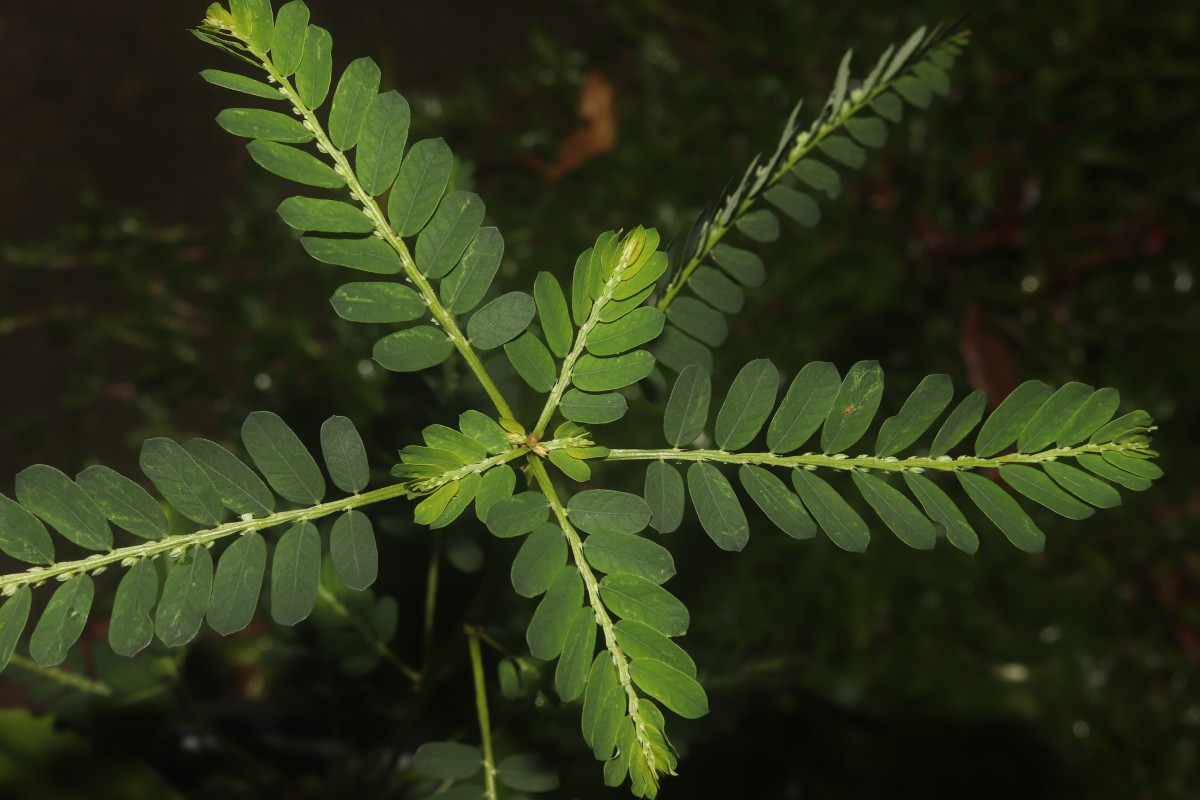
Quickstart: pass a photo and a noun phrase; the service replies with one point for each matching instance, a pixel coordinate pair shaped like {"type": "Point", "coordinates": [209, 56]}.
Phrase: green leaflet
{"type": "Point", "coordinates": [1003, 511]}
{"type": "Point", "coordinates": [698, 321]}
{"type": "Point", "coordinates": [62, 621]}
{"type": "Point", "coordinates": [295, 574]}
{"type": "Point", "coordinates": [181, 481]}
{"type": "Point", "coordinates": [739, 264]}
{"type": "Point", "coordinates": [287, 47]}
{"type": "Point", "coordinates": [581, 301]}
{"type": "Point", "coordinates": [1119, 427]}
{"type": "Point", "coordinates": [606, 511]}
{"type": "Point", "coordinates": [294, 164]}
{"type": "Point", "coordinates": [185, 598]}
{"type": "Point", "coordinates": [239, 489]}
{"type": "Point", "coordinates": [603, 706]}
{"type": "Point", "coordinates": [914, 91]}
{"type": "Point", "coordinates": [352, 550]}
{"type": "Point", "coordinates": [1084, 486]}
{"type": "Point", "coordinates": [747, 405]}
{"type": "Point", "coordinates": [63, 505]}
{"type": "Point", "coordinates": [551, 621]}
{"type": "Point", "coordinates": [634, 598]}
{"type": "Point", "coordinates": [355, 90]}
{"type": "Point", "coordinates": [677, 351]}
{"type": "Point", "coordinates": [594, 374]}
{"type": "Point", "coordinates": [237, 584]}
{"type": "Point", "coordinates": [324, 216]}
{"type": "Point", "coordinates": [1010, 417]}
{"type": "Point", "coordinates": [468, 487]}
{"type": "Point", "coordinates": [942, 510]}
{"type": "Point", "coordinates": [840, 522]}
{"type": "Point", "coordinates": [418, 188]}
{"type": "Point", "coordinates": [432, 507]}
{"type": "Point", "coordinates": [717, 506]}
{"type": "Point", "coordinates": [22, 535]}
{"type": "Point", "coordinates": [718, 291]}
{"type": "Point", "coordinates": [510, 681]}
{"type": "Point", "coordinates": [626, 553]}
{"type": "Point", "coordinates": [542, 556]}
{"type": "Point", "coordinates": [639, 640]}
{"type": "Point", "coordinates": [896, 511]}
{"type": "Point", "coordinates": [592, 409]}
{"type": "Point", "coordinates": [483, 430]}
{"type": "Point", "coordinates": [532, 361]}
{"type": "Point", "coordinates": [381, 140]}
{"type": "Point", "coordinates": [501, 320]}
{"type": "Point", "coordinates": [122, 502]}
{"type": "Point", "coordinates": [776, 501]}
{"type": "Point", "coordinates": [526, 773]}
{"type": "Point", "coordinates": [1089, 417]}
{"type": "Point", "coordinates": [664, 495]}
{"type": "Point", "coordinates": [922, 407]}
{"type": "Point", "coordinates": [761, 225]}
{"type": "Point", "coordinates": [808, 401]}
{"type": "Point", "coordinates": [258, 123]}
{"type": "Point", "coordinates": [935, 78]}
{"type": "Point", "coordinates": [854, 407]}
{"type": "Point", "coordinates": [345, 454]}
{"type": "Point", "coordinates": [687, 408]}
{"type": "Point", "coordinates": [413, 349]}
{"type": "Point", "coordinates": [574, 468]}
{"type": "Point", "coordinates": [843, 151]}
{"type": "Point", "coordinates": [131, 627]}
{"type": "Point", "coordinates": [447, 760]}
{"type": "Point", "coordinates": [366, 253]}
{"type": "Point", "coordinates": [14, 613]}
{"type": "Point", "coordinates": [1043, 429]}
{"type": "Point", "coordinates": [253, 19]}
{"type": "Point", "coordinates": [553, 314]}
{"type": "Point", "coordinates": [867, 131]}
{"type": "Point", "coordinates": [462, 445]}
{"type": "Point", "coordinates": [445, 238]}
{"type": "Point", "coordinates": [962, 421]}
{"type": "Point", "coordinates": [570, 678]}
{"type": "Point", "coordinates": [497, 485]}
{"type": "Point", "coordinates": [466, 285]}
{"type": "Point", "coordinates": [819, 176]}
{"type": "Point", "coordinates": [641, 325]}
{"type": "Point", "coordinates": [1137, 466]}
{"type": "Point", "coordinates": [282, 458]}
{"type": "Point", "coordinates": [797, 205]}
{"type": "Point", "coordinates": [888, 106]}
{"type": "Point", "coordinates": [377, 301]}
{"type": "Point", "coordinates": [316, 67]}
{"type": "Point", "coordinates": [240, 83]}
{"type": "Point", "coordinates": [901, 59]}
{"type": "Point", "coordinates": [677, 690]}
{"type": "Point", "coordinates": [517, 515]}
{"type": "Point", "coordinates": [1037, 486]}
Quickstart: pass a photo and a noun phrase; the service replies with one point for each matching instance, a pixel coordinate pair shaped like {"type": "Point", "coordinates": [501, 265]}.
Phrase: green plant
{"type": "Point", "coordinates": [585, 365]}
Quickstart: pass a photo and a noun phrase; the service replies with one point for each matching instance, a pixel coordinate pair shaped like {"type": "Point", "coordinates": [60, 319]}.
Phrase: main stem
{"type": "Point", "coordinates": [481, 706]}
{"type": "Point", "coordinates": [384, 229]}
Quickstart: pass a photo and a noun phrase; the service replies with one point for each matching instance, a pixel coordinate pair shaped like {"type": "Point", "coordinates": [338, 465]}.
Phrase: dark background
{"type": "Point", "coordinates": [1040, 224]}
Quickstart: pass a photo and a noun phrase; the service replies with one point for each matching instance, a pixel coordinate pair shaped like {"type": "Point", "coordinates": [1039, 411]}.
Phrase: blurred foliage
{"type": "Point", "coordinates": [1039, 225]}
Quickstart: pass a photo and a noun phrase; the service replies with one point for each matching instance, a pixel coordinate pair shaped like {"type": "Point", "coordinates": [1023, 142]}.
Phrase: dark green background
{"type": "Point", "coordinates": [1040, 224]}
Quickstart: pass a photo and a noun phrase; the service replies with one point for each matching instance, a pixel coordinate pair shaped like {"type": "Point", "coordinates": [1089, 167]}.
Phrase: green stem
{"type": "Point", "coordinates": [384, 230]}
{"type": "Point", "coordinates": [368, 635]}
{"type": "Point", "coordinates": [431, 585]}
{"type": "Point", "coordinates": [805, 143]}
{"type": "Point", "coordinates": [607, 627]}
{"type": "Point", "coordinates": [481, 706]}
{"type": "Point", "coordinates": [70, 679]}
{"type": "Point", "coordinates": [176, 545]}
{"type": "Point", "coordinates": [844, 462]}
